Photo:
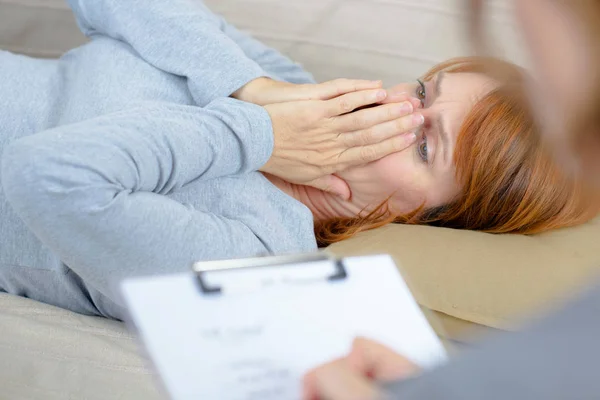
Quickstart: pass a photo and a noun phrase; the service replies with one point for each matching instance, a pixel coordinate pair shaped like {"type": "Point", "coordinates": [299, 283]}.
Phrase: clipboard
{"type": "Point", "coordinates": [246, 329]}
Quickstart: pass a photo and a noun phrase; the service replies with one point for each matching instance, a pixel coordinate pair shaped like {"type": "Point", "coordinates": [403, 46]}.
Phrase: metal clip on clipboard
{"type": "Point", "coordinates": [295, 260]}
{"type": "Point", "coordinates": [203, 267]}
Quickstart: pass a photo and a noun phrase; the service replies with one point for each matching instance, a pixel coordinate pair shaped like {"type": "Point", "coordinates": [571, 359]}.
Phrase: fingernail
{"type": "Point", "coordinates": [418, 119]}
{"type": "Point", "coordinates": [406, 107]}
{"type": "Point", "coordinates": [380, 95]}
{"type": "Point", "coordinates": [415, 102]}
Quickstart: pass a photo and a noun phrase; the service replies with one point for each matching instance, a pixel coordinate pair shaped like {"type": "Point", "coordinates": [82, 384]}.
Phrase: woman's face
{"type": "Point", "coordinates": [425, 171]}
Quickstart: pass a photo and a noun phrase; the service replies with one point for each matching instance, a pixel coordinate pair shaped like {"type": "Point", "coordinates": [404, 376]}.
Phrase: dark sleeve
{"type": "Point", "coordinates": [556, 358]}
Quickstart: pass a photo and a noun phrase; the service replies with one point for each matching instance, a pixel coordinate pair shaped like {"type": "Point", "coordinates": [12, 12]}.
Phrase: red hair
{"type": "Point", "coordinates": [510, 181]}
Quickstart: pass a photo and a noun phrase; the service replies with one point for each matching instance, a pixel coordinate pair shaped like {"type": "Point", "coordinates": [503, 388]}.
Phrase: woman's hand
{"type": "Point", "coordinates": [356, 376]}
{"type": "Point", "coordinates": [263, 91]}
{"type": "Point", "coordinates": [314, 139]}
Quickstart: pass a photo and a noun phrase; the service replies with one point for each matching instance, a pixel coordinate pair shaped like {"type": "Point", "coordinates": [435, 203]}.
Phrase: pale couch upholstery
{"type": "Point", "coordinates": [51, 354]}
{"type": "Point", "coordinates": [492, 280]}
{"type": "Point", "coordinates": [393, 40]}
{"type": "Point", "coordinates": [463, 277]}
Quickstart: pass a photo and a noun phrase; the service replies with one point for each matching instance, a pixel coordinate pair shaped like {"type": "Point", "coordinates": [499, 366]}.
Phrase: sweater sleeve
{"type": "Point", "coordinates": [185, 38]}
{"type": "Point", "coordinates": [95, 192]}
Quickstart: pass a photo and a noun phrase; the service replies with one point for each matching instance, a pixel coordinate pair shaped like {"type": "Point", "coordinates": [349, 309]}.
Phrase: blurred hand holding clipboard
{"type": "Point", "coordinates": [250, 328]}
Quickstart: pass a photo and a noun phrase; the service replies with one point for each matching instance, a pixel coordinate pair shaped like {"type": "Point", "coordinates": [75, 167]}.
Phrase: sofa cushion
{"type": "Point", "coordinates": [50, 353]}
{"type": "Point", "coordinates": [488, 279]}
{"type": "Point", "coordinates": [41, 28]}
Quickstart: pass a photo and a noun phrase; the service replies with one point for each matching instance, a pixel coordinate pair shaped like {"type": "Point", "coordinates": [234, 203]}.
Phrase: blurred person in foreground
{"type": "Point", "coordinates": [552, 359]}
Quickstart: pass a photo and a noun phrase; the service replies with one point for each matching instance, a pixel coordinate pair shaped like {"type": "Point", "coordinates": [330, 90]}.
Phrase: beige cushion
{"type": "Point", "coordinates": [50, 353]}
{"type": "Point", "coordinates": [391, 40]}
{"type": "Point", "coordinates": [487, 279]}
{"type": "Point", "coordinates": [43, 28]}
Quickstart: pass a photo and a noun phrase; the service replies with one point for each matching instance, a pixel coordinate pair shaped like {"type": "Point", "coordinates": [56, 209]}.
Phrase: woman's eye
{"type": "Point", "coordinates": [422, 149]}
{"type": "Point", "coordinates": [421, 92]}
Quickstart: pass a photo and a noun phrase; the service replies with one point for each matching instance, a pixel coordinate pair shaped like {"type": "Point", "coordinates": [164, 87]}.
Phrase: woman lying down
{"type": "Point", "coordinates": [172, 137]}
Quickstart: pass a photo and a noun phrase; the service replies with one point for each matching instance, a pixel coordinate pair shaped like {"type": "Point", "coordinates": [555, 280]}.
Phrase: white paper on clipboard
{"type": "Point", "coordinates": [268, 326]}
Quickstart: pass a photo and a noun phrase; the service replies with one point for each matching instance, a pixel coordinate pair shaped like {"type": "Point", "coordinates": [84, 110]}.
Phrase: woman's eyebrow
{"type": "Point", "coordinates": [443, 133]}
{"type": "Point", "coordinates": [444, 136]}
{"type": "Point", "coordinates": [438, 83]}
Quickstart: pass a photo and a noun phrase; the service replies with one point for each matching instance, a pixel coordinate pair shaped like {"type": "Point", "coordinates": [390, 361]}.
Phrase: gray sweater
{"type": "Point", "coordinates": [126, 157]}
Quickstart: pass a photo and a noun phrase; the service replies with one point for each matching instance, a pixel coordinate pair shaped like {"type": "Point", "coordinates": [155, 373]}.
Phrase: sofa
{"type": "Point", "coordinates": [470, 284]}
